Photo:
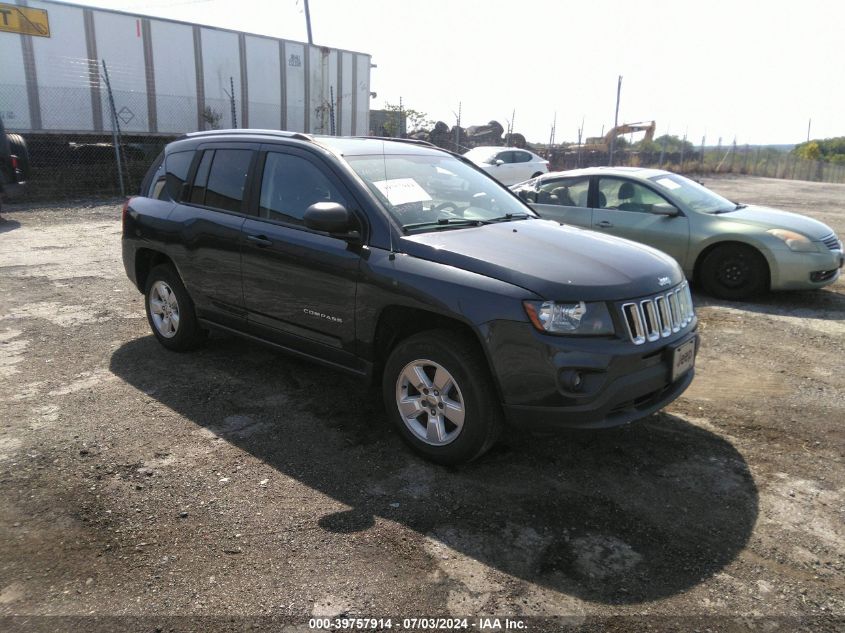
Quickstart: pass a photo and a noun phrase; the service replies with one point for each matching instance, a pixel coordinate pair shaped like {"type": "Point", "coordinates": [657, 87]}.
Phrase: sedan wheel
{"type": "Point", "coordinates": [734, 271]}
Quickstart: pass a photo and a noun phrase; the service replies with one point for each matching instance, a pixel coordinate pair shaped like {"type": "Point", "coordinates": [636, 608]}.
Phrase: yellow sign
{"type": "Point", "coordinates": [15, 19]}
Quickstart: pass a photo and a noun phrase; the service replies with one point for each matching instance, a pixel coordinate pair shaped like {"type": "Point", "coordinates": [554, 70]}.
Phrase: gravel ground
{"type": "Point", "coordinates": [161, 491]}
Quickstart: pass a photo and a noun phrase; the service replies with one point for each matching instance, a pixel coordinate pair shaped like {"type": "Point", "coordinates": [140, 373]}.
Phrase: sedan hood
{"type": "Point", "coordinates": [776, 219]}
{"type": "Point", "coordinates": [555, 262]}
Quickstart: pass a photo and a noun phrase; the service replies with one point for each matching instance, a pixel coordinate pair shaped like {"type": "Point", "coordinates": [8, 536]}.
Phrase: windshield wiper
{"type": "Point", "coordinates": [509, 217]}
{"type": "Point", "coordinates": [739, 206]}
{"type": "Point", "coordinates": [444, 223]}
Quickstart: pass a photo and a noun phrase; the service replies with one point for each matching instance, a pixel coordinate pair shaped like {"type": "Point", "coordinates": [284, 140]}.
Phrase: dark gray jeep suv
{"type": "Point", "coordinates": [407, 265]}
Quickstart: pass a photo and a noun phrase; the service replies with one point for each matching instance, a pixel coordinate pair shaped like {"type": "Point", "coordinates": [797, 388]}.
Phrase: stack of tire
{"type": "Point", "coordinates": [12, 145]}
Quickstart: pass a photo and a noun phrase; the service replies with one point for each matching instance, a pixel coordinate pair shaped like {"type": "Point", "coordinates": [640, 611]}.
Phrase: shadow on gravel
{"type": "Point", "coordinates": [618, 516]}
{"type": "Point", "coordinates": [825, 303]}
{"type": "Point", "coordinates": [8, 225]}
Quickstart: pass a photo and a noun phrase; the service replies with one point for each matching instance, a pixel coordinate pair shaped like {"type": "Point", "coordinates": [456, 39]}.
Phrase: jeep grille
{"type": "Point", "coordinates": [658, 316]}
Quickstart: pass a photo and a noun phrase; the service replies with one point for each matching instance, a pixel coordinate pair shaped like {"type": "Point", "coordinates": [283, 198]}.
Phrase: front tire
{"type": "Point", "coordinates": [170, 311]}
{"type": "Point", "coordinates": [734, 272]}
{"type": "Point", "coordinates": [438, 391]}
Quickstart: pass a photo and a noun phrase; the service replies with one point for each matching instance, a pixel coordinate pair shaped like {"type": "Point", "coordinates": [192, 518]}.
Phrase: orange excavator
{"type": "Point", "coordinates": [602, 143]}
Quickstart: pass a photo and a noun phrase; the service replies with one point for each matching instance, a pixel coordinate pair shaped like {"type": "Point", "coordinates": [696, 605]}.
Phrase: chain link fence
{"type": "Point", "coordinates": [112, 161]}
{"type": "Point", "coordinates": [747, 160]}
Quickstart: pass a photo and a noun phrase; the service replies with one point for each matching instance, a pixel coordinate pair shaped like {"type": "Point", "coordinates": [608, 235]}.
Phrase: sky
{"type": "Point", "coordinates": [752, 71]}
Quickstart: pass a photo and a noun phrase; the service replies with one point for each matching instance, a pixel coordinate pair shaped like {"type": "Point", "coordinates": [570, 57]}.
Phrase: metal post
{"type": "Point", "coordinates": [232, 102]}
{"type": "Point", "coordinates": [115, 129]}
{"type": "Point", "coordinates": [580, 134]}
{"type": "Point", "coordinates": [331, 111]}
{"type": "Point", "coordinates": [458, 130]}
{"type": "Point", "coordinates": [615, 121]}
{"type": "Point", "coordinates": [308, 22]}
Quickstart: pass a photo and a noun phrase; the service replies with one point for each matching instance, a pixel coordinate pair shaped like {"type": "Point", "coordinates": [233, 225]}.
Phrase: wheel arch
{"type": "Point", "coordinates": [145, 260]}
{"type": "Point", "coordinates": [733, 241]}
{"type": "Point", "coordinates": [397, 322]}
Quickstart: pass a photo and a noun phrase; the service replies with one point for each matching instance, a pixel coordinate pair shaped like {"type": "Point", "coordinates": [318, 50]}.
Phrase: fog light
{"type": "Point", "coordinates": [571, 380]}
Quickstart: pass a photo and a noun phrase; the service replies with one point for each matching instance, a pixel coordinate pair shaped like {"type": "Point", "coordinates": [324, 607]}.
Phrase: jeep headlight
{"type": "Point", "coordinates": [569, 318]}
{"type": "Point", "coordinates": [795, 241]}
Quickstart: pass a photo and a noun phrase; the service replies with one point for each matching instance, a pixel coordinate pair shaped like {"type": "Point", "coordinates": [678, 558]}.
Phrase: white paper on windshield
{"type": "Point", "coordinates": [402, 190]}
{"type": "Point", "coordinates": [668, 183]}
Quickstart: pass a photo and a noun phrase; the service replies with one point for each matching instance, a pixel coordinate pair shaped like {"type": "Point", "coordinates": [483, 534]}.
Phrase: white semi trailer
{"type": "Point", "coordinates": [168, 77]}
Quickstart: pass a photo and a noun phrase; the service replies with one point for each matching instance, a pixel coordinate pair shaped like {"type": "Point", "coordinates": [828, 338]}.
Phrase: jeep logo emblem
{"type": "Point", "coordinates": [664, 281]}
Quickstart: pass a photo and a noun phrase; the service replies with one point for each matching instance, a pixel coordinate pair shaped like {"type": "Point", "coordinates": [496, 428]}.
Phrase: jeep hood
{"type": "Point", "coordinates": [556, 262]}
{"type": "Point", "coordinates": [768, 218]}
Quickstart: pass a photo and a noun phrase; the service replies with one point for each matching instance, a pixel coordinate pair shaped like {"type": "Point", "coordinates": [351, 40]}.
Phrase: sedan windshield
{"type": "Point", "coordinates": [694, 196]}
{"type": "Point", "coordinates": [434, 192]}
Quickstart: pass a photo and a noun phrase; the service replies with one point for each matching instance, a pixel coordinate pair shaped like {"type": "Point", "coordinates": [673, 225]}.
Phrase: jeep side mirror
{"type": "Point", "coordinates": [664, 208]}
{"type": "Point", "coordinates": [330, 217]}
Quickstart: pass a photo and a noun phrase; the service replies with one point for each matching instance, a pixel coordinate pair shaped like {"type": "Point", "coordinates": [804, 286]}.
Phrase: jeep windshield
{"type": "Point", "coordinates": [431, 192]}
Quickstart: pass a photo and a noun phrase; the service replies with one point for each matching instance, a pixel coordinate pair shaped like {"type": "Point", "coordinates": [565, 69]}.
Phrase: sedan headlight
{"type": "Point", "coordinates": [795, 241]}
{"type": "Point", "coordinates": [569, 318]}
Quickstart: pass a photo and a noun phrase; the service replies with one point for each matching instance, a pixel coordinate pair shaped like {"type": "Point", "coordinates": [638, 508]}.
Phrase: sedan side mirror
{"type": "Point", "coordinates": [664, 208]}
{"type": "Point", "coordinates": [330, 217]}
{"type": "Point", "coordinates": [498, 162]}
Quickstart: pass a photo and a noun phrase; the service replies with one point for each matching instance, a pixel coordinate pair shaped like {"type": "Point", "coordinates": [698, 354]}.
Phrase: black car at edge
{"type": "Point", "coordinates": [411, 268]}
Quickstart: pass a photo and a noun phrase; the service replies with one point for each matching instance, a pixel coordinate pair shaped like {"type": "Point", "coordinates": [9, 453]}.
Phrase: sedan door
{"type": "Point", "coordinates": [524, 166]}
{"type": "Point", "coordinates": [564, 200]}
{"type": "Point", "coordinates": [299, 284]}
{"type": "Point", "coordinates": [625, 208]}
{"type": "Point", "coordinates": [507, 172]}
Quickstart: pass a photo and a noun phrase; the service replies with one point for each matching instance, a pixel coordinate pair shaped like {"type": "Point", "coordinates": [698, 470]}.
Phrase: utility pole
{"type": "Point", "coordinates": [552, 134]}
{"type": "Point", "coordinates": [510, 127]}
{"type": "Point", "coordinates": [458, 130]}
{"type": "Point", "coordinates": [580, 134]}
{"type": "Point", "coordinates": [809, 123]}
{"type": "Point", "coordinates": [308, 22]}
{"type": "Point", "coordinates": [615, 120]}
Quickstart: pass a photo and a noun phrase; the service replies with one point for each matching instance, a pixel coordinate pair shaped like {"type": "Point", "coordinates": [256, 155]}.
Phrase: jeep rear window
{"type": "Point", "coordinates": [178, 164]}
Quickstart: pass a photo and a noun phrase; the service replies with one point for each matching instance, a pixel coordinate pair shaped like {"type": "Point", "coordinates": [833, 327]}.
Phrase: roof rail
{"type": "Point", "coordinates": [282, 133]}
{"type": "Point", "coordinates": [412, 141]}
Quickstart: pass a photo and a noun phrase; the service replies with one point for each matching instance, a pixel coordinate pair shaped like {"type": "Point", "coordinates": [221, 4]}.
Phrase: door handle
{"type": "Point", "coordinates": [259, 240]}
{"type": "Point", "coordinates": [604, 224]}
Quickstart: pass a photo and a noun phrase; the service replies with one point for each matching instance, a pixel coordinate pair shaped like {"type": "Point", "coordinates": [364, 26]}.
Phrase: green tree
{"type": "Point", "coordinates": [829, 149]}
{"type": "Point", "coordinates": [414, 119]}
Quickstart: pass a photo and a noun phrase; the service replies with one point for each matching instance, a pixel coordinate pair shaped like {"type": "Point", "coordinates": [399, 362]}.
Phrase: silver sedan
{"type": "Point", "coordinates": [735, 251]}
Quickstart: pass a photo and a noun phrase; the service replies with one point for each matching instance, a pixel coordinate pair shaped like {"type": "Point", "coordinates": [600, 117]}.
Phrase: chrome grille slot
{"type": "Point", "coordinates": [832, 242]}
{"type": "Point", "coordinates": [665, 316]}
{"type": "Point", "coordinates": [675, 306]}
{"type": "Point", "coordinates": [659, 316]}
{"type": "Point", "coordinates": [634, 321]}
{"type": "Point", "coordinates": [650, 320]}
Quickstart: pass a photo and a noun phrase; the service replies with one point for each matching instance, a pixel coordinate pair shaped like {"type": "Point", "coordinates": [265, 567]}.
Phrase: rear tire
{"type": "Point", "coordinates": [170, 311]}
{"type": "Point", "coordinates": [734, 272]}
{"type": "Point", "coordinates": [439, 393]}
